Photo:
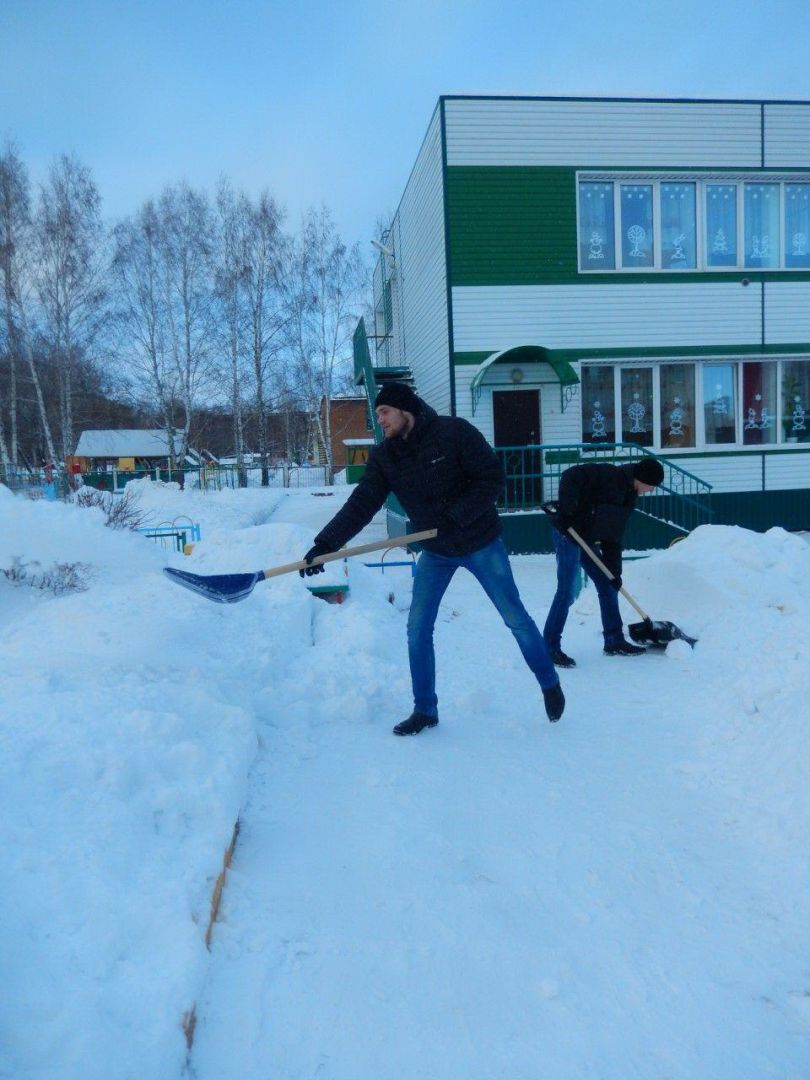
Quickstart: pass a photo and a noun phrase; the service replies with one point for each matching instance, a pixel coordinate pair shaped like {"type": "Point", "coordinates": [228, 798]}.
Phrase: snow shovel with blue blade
{"type": "Point", "coordinates": [231, 588]}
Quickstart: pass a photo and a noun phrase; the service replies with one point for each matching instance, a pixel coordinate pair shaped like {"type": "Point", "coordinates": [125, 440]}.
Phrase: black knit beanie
{"type": "Point", "coordinates": [399, 395]}
{"type": "Point", "coordinates": [649, 471]}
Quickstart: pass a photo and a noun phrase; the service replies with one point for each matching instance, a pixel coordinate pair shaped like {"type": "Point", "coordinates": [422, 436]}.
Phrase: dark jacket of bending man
{"type": "Point", "coordinates": [597, 501]}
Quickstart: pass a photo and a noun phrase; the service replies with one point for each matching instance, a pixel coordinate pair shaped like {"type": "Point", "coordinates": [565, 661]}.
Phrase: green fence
{"type": "Point", "coordinates": [46, 483]}
{"type": "Point", "coordinates": [533, 477]}
{"type": "Point", "coordinates": [216, 477]}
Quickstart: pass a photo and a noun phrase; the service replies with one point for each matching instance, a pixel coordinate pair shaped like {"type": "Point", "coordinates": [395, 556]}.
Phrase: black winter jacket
{"type": "Point", "coordinates": [598, 500]}
{"type": "Point", "coordinates": [445, 475]}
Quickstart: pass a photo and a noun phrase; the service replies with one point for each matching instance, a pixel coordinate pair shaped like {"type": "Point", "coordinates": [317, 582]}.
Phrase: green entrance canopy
{"type": "Point", "coordinates": [567, 378]}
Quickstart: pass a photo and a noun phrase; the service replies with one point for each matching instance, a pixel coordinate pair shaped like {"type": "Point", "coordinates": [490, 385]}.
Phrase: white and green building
{"type": "Point", "coordinates": [591, 278]}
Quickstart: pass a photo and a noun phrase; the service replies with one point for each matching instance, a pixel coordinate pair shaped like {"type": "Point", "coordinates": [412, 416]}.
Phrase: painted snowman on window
{"type": "Point", "coordinates": [798, 415]}
{"type": "Point", "coordinates": [676, 419]}
{"type": "Point", "coordinates": [598, 422]}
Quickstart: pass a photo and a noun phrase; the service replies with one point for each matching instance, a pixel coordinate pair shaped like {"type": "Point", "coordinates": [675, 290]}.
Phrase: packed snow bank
{"type": "Point", "coordinates": [127, 732]}
{"type": "Point", "coordinates": [500, 896]}
{"type": "Point", "coordinates": [746, 596]}
{"type": "Point", "coordinates": [505, 897]}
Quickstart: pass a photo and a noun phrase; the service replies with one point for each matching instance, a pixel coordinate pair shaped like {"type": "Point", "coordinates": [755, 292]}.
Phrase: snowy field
{"type": "Point", "coordinates": [622, 895]}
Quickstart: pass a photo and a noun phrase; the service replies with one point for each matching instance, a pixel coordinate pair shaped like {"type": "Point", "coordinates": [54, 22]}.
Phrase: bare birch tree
{"type": "Point", "coordinates": [269, 310]}
{"type": "Point", "coordinates": [137, 275]}
{"type": "Point", "coordinates": [231, 278]}
{"type": "Point", "coordinates": [188, 287]}
{"type": "Point", "coordinates": [330, 281]}
{"type": "Point", "coordinates": [16, 241]}
{"type": "Point", "coordinates": [70, 280]}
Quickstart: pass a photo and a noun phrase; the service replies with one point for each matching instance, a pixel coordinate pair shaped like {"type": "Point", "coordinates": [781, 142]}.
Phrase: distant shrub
{"type": "Point", "coordinates": [120, 511]}
{"type": "Point", "coordinates": [58, 579]}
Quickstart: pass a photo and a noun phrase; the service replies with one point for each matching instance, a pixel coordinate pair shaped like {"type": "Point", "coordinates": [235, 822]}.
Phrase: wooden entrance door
{"type": "Point", "coordinates": [516, 424]}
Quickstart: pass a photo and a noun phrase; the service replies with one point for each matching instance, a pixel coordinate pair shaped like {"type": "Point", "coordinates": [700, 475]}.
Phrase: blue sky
{"type": "Point", "coordinates": [328, 102]}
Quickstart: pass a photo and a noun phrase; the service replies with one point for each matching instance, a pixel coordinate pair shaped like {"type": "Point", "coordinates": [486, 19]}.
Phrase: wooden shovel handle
{"type": "Point", "coordinates": [344, 553]}
{"type": "Point", "coordinates": [572, 532]}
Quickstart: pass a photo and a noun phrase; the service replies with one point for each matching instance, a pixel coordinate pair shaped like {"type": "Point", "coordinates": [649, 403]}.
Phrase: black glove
{"type": "Point", "coordinates": [313, 553]}
{"type": "Point", "coordinates": [616, 582]}
{"type": "Point", "coordinates": [559, 522]}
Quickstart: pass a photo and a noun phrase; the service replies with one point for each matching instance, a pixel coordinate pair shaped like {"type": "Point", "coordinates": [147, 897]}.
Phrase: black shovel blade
{"type": "Point", "coordinates": [649, 632]}
{"type": "Point", "coordinates": [222, 588]}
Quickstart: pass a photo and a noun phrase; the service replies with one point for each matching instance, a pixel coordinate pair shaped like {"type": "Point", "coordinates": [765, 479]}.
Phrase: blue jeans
{"type": "Point", "coordinates": [490, 565]}
{"type": "Point", "coordinates": [569, 558]}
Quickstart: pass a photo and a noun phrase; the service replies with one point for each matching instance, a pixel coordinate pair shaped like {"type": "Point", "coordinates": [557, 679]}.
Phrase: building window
{"type": "Point", "coordinates": [795, 398]}
{"type": "Point", "coordinates": [677, 405]}
{"type": "Point", "coordinates": [598, 408]}
{"type": "Point", "coordinates": [678, 226]}
{"type": "Point", "coordinates": [719, 403]}
{"type": "Point", "coordinates": [653, 224]}
{"type": "Point", "coordinates": [637, 225]}
{"type": "Point", "coordinates": [797, 225]}
{"type": "Point", "coordinates": [721, 224]}
{"type": "Point", "coordinates": [637, 405]}
{"type": "Point", "coordinates": [656, 404]}
{"type": "Point", "coordinates": [759, 403]}
{"type": "Point", "coordinates": [761, 215]}
{"type": "Point", "coordinates": [596, 228]}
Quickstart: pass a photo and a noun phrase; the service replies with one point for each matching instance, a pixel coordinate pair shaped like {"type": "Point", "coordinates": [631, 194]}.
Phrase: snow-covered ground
{"type": "Point", "coordinates": [622, 895]}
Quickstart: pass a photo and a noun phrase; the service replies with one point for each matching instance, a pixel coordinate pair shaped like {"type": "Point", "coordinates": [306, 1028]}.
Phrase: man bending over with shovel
{"type": "Point", "coordinates": [596, 501]}
{"type": "Point", "coordinates": [446, 476]}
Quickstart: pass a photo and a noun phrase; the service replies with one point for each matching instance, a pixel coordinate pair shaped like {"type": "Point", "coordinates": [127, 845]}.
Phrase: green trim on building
{"type": "Point", "coordinates": [674, 352]}
{"type": "Point", "coordinates": [525, 354]}
{"type": "Point", "coordinates": [517, 225]}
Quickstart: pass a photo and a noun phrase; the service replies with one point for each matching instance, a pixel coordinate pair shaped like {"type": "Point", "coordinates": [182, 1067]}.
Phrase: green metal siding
{"type": "Point", "coordinates": [762, 510]}
{"type": "Point", "coordinates": [516, 225]}
{"type": "Point", "coordinates": [511, 225]}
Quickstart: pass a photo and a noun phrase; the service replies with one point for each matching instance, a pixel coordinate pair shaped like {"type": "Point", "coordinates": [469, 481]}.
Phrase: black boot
{"type": "Point", "coordinates": [555, 702]}
{"type": "Point", "coordinates": [414, 724]}
{"type": "Point", "coordinates": [623, 648]}
{"type": "Point", "coordinates": [560, 659]}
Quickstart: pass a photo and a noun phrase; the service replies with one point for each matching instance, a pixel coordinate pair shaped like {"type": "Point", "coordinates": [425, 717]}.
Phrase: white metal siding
{"type": "Point", "coordinates": [556, 426]}
{"type": "Point", "coordinates": [646, 315]}
{"type": "Point", "coordinates": [787, 136]}
{"type": "Point", "coordinates": [787, 312]}
{"type": "Point", "coordinates": [786, 472]}
{"type": "Point", "coordinates": [420, 303]}
{"type": "Point", "coordinates": [620, 134]}
{"type": "Point", "coordinates": [743, 472]}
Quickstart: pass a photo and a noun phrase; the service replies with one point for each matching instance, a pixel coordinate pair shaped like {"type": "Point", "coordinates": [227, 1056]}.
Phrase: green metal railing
{"type": "Point", "coordinates": [533, 477]}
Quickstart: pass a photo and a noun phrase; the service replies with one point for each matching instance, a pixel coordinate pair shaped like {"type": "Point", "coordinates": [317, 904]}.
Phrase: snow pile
{"type": "Point", "coordinates": [499, 897]}
{"type": "Point", "coordinates": [748, 601]}
{"type": "Point", "coordinates": [127, 734]}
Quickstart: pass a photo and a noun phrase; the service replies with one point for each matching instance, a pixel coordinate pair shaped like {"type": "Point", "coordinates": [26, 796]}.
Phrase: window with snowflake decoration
{"type": "Point", "coordinates": [797, 224]}
{"type": "Point", "coordinates": [636, 398]}
{"type": "Point", "coordinates": [761, 225]}
{"type": "Point", "coordinates": [598, 407]}
{"type": "Point", "coordinates": [758, 402]}
{"type": "Point", "coordinates": [796, 401]}
{"type": "Point", "coordinates": [678, 249]}
{"type": "Point", "coordinates": [637, 225]}
{"type": "Point", "coordinates": [677, 398]}
{"type": "Point", "coordinates": [597, 248]}
{"type": "Point", "coordinates": [721, 225]}
{"type": "Point", "coordinates": [720, 403]}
